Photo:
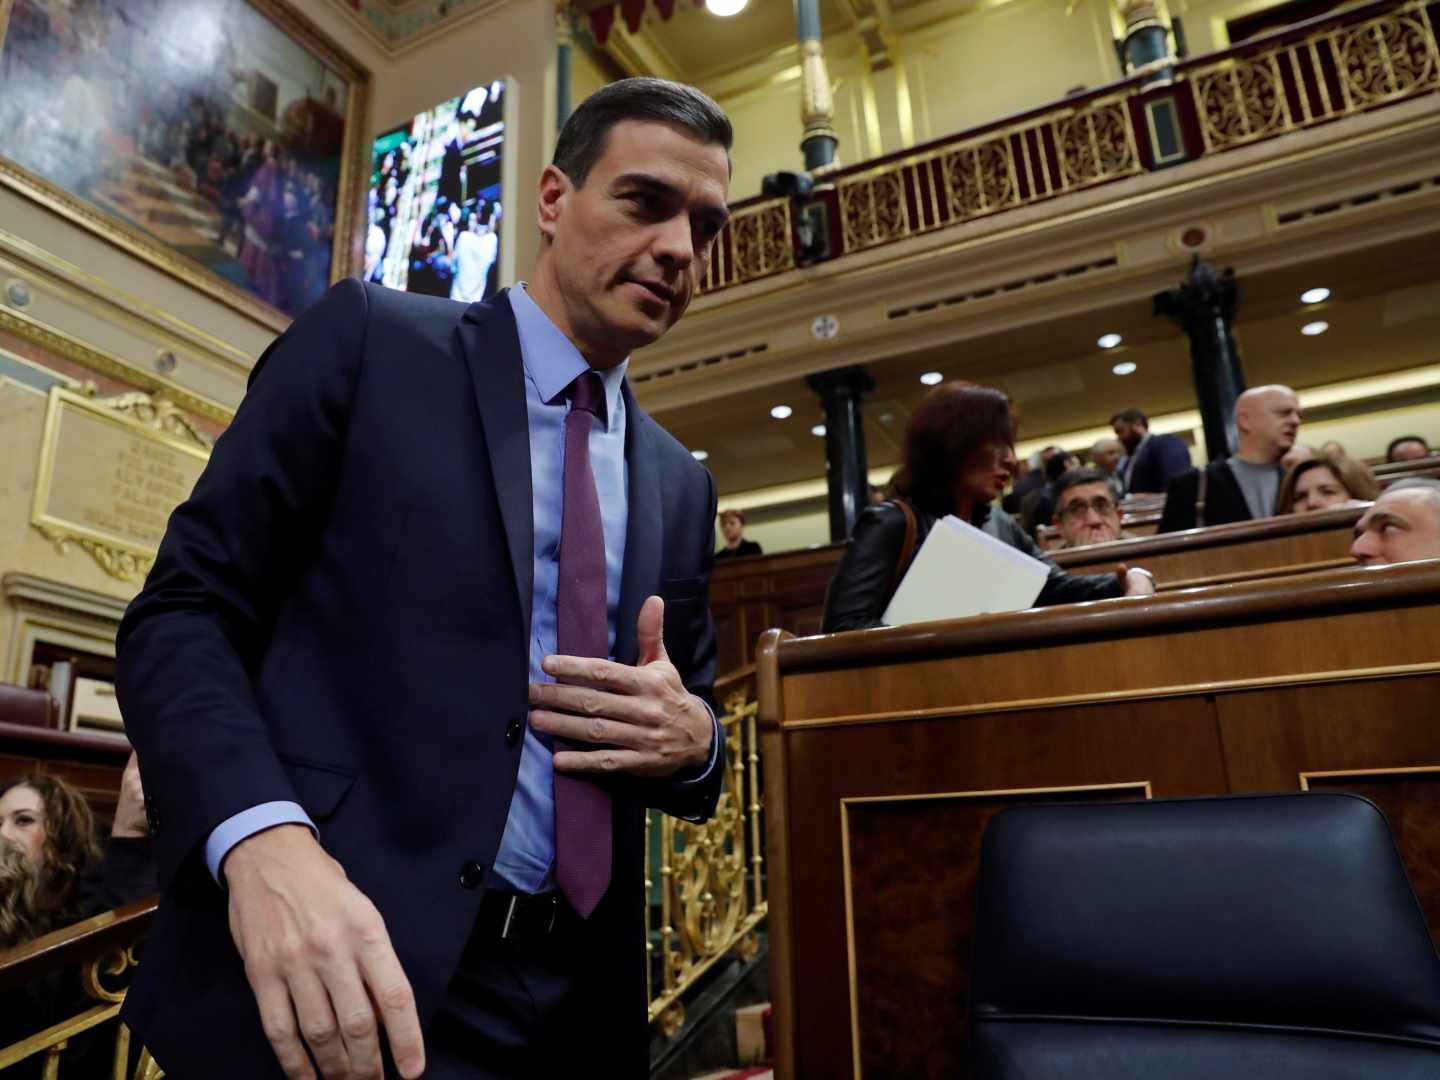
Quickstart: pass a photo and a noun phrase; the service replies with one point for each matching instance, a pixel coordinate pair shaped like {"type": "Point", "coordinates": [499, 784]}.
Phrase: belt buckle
{"type": "Point", "coordinates": [514, 904]}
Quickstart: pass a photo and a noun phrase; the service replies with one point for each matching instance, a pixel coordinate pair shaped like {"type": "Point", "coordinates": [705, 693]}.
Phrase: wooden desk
{"type": "Point", "coordinates": [1220, 553]}
{"type": "Point", "coordinates": [887, 751]}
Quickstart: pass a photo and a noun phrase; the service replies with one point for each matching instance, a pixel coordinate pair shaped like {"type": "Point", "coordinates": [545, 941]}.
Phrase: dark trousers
{"type": "Point", "coordinates": [517, 1009]}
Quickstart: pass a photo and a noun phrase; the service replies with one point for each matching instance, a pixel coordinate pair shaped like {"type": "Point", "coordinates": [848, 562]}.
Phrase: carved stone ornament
{"type": "Point", "coordinates": [123, 555]}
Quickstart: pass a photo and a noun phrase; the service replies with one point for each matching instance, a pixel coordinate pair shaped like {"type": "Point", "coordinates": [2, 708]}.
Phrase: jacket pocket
{"type": "Point", "coordinates": [320, 787]}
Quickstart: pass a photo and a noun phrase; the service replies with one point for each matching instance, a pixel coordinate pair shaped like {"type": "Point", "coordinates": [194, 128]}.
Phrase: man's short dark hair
{"type": "Point", "coordinates": [657, 101]}
{"type": "Point", "coordinates": [1130, 416]}
{"type": "Point", "coordinates": [1401, 441]}
{"type": "Point", "coordinates": [1056, 465]}
{"type": "Point", "coordinates": [1074, 478]}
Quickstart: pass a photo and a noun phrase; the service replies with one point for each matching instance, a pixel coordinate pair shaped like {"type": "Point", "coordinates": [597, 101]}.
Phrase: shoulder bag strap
{"type": "Point", "coordinates": [907, 550]}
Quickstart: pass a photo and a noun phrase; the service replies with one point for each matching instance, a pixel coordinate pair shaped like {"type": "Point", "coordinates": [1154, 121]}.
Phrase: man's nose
{"type": "Point", "coordinates": [1363, 547]}
{"type": "Point", "coordinates": [674, 243]}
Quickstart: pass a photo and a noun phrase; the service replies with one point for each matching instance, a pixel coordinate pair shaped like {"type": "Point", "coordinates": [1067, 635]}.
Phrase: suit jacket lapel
{"type": "Point", "coordinates": [491, 345]}
{"type": "Point", "coordinates": [643, 530]}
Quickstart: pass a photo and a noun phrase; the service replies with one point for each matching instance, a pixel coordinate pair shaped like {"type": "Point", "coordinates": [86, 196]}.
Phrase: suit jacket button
{"type": "Point", "coordinates": [513, 730]}
{"type": "Point", "coordinates": [471, 875]}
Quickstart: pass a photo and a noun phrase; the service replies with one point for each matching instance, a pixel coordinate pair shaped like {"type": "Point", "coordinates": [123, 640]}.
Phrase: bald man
{"type": "Point", "coordinates": [1402, 526]}
{"type": "Point", "coordinates": [1243, 486]}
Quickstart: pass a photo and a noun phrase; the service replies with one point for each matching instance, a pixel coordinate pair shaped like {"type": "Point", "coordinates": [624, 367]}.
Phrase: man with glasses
{"type": "Point", "coordinates": [1085, 508]}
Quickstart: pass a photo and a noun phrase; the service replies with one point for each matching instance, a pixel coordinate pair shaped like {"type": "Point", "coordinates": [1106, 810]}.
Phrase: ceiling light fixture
{"type": "Point", "coordinates": [818, 430]}
{"type": "Point", "coordinates": [1109, 341]}
{"type": "Point", "coordinates": [700, 455]}
{"type": "Point", "coordinates": [932, 378]}
{"type": "Point", "coordinates": [1125, 367]}
{"type": "Point", "coordinates": [1315, 296]}
{"type": "Point", "coordinates": [725, 8]}
{"type": "Point", "coordinates": [781, 412]}
{"type": "Point", "coordinates": [1310, 329]}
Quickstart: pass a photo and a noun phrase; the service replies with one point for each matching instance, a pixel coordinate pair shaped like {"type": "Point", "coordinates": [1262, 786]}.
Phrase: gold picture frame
{"type": "Point", "coordinates": [347, 245]}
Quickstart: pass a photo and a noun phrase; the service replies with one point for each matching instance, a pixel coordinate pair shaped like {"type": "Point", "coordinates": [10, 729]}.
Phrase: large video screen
{"type": "Point", "coordinates": [435, 199]}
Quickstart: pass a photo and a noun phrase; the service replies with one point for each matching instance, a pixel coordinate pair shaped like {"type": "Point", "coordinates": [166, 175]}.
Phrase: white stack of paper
{"type": "Point", "coordinates": [961, 571]}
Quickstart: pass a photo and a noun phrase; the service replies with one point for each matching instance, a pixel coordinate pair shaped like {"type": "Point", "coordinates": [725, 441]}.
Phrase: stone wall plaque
{"type": "Point", "coordinates": [111, 471]}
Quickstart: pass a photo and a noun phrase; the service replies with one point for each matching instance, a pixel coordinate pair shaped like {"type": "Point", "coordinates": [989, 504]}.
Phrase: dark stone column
{"type": "Point", "coordinates": [564, 43]}
{"type": "Point", "coordinates": [1204, 307]}
{"type": "Point", "coordinates": [1147, 41]}
{"type": "Point", "coordinates": [846, 468]}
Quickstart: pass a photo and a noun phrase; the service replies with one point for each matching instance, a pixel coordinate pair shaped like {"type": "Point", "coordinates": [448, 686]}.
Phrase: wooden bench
{"type": "Point", "coordinates": [887, 751]}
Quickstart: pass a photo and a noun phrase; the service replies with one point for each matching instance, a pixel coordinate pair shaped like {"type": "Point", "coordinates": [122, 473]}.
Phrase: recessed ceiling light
{"type": "Point", "coordinates": [1315, 296]}
{"type": "Point", "coordinates": [818, 429]}
{"type": "Point", "coordinates": [1109, 341]}
{"type": "Point", "coordinates": [725, 8]}
{"type": "Point", "coordinates": [1310, 329]}
{"type": "Point", "coordinates": [932, 378]}
{"type": "Point", "coordinates": [781, 412]}
{"type": "Point", "coordinates": [1125, 367]}
{"type": "Point", "coordinates": [700, 455]}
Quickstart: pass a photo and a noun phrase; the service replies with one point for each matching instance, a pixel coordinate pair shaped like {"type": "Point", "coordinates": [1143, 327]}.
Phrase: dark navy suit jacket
{"type": "Point", "coordinates": [339, 616]}
{"type": "Point", "coordinates": [1160, 460]}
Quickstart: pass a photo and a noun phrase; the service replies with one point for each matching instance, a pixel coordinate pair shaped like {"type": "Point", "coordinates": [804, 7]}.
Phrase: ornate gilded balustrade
{"type": "Point", "coordinates": [1316, 72]}
{"type": "Point", "coordinates": [1338, 70]}
{"type": "Point", "coordinates": [709, 878]}
{"type": "Point", "coordinates": [99, 954]}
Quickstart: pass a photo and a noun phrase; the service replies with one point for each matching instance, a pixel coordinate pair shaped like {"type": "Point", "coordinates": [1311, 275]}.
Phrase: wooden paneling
{"type": "Point", "coordinates": [873, 740]}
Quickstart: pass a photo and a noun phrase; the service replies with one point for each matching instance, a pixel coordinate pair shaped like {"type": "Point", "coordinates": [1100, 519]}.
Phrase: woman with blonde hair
{"type": "Point", "coordinates": [1323, 482]}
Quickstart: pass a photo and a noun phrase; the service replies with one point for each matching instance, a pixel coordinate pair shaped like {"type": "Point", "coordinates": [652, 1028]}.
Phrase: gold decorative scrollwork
{"type": "Point", "coordinates": [119, 564]}
{"type": "Point", "coordinates": [873, 209]}
{"type": "Point", "coordinates": [1386, 58]}
{"type": "Point", "coordinates": [157, 412]}
{"type": "Point", "coordinates": [95, 974]}
{"type": "Point", "coordinates": [1095, 144]}
{"type": "Point", "coordinates": [710, 877]}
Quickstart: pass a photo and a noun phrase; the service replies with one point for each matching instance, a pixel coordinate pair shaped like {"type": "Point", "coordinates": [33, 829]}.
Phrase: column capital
{"type": "Point", "coordinates": [851, 382]}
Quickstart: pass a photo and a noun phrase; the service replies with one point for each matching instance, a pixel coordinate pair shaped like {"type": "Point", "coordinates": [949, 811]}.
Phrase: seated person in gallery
{"type": "Point", "coordinates": [958, 457]}
{"type": "Point", "coordinates": [1407, 448]}
{"type": "Point", "coordinates": [1402, 526]}
{"type": "Point", "coordinates": [53, 872]}
{"type": "Point", "coordinates": [1085, 508]}
{"type": "Point", "coordinates": [1245, 485]}
{"type": "Point", "coordinates": [732, 527]}
{"type": "Point", "coordinates": [1324, 482]}
{"type": "Point", "coordinates": [64, 874]}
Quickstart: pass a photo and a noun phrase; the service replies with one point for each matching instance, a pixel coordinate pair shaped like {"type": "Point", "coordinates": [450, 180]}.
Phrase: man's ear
{"type": "Point", "coordinates": [550, 193]}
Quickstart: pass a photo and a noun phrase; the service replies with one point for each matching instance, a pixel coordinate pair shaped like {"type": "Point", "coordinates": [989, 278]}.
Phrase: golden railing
{"type": "Point", "coordinates": [102, 951]}
{"type": "Point", "coordinates": [1338, 70]}
{"type": "Point", "coordinates": [1067, 150]}
{"type": "Point", "coordinates": [1339, 65]}
{"type": "Point", "coordinates": [710, 877]}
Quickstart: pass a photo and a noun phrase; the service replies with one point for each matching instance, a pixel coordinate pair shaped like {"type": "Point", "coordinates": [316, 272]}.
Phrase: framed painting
{"type": "Point", "coordinates": [223, 141]}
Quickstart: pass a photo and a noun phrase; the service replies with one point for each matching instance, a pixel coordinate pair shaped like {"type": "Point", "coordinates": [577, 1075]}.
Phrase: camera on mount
{"type": "Point", "coordinates": [811, 217]}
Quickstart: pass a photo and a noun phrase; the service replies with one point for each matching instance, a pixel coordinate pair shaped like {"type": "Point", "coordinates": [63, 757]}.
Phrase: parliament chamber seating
{"type": "Point", "coordinates": [1257, 936]}
{"type": "Point", "coordinates": [887, 751]}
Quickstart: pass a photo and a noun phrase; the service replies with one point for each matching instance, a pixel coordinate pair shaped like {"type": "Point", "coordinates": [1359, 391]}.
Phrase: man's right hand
{"type": "Point", "coordinates": [319, 960]}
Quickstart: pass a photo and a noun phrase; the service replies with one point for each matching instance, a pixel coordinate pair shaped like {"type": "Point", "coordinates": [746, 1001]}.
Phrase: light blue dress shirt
{"type": "Point", "coordinates": [552, 363]}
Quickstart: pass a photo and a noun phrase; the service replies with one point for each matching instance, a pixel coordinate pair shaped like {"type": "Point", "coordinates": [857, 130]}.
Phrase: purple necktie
{"type": "Point", "coordinates": [582, 808]}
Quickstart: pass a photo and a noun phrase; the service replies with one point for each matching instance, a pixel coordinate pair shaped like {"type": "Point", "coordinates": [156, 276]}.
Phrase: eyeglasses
{"type": "Point", "coordinates": [1076, 509]}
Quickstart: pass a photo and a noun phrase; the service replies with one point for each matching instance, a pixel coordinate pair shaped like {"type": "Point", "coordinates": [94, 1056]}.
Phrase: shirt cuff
{"type": "Point", "coordinates": [246, 824]}
{"type": "Point", "coordinates": [714, 747]}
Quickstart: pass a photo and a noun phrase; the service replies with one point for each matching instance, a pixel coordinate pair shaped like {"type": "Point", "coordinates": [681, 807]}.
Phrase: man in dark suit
{"type": "Point", "coordinates": [429, 635]}
{"type": "Point", "coordinates": [1150, 461]}
{"type": "Point", "coordinates": [1243, 486]}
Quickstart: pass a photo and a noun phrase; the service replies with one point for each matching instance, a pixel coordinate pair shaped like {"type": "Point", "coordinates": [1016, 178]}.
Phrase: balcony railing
{"type": "Point", "coordinates": [705, 885]}
{"type": "Point", "coordinates": [103, 950]}
{"type": "Point", "coordinates": [1309, 74]}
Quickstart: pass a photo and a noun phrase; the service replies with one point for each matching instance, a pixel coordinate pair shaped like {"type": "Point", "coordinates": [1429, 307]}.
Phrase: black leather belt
{"type": "Point", "coordinates": [524, 917]}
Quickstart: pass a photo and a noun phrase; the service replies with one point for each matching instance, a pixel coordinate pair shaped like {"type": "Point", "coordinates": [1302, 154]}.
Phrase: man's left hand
{"type": "Point", "coordinates": [642, 719]}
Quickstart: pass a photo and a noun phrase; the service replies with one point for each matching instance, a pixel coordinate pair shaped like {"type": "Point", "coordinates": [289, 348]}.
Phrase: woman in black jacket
{"type": "Point", "coordinates": [959, 455]}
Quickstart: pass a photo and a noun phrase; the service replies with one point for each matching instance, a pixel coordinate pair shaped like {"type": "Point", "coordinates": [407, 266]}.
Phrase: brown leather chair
{"type": "Point", "coordinates": [26, 707]}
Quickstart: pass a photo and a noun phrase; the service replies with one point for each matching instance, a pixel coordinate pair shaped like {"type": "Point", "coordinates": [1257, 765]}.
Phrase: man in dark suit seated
{"type": "Point", "coordinates": [1150, 461]}
{"type": "Point", "coordinates": [426, 640]}
{"type": "Point", "coordinates": [1243, 486]}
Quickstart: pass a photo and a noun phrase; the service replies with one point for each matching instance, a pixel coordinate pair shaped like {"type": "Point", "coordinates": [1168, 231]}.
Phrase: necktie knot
{"type": "Point", "coordinates": [587, 394]}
